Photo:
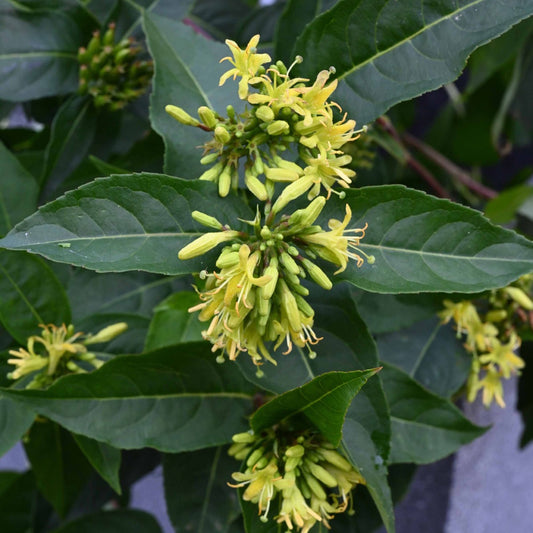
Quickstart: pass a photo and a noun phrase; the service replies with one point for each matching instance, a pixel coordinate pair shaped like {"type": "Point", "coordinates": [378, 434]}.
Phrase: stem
{"type": "Point", "coordinates": [450, 167]}
{"type": "Point", "coordinates": [420, 169]}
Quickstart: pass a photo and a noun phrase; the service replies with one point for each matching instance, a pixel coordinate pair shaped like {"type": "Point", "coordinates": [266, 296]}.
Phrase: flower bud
{"type": "Point", "coordinates": [271, 270]}
{"type": "Point", "coordinates": [206, 242]}
{"type": "Point", "coordinates": [496, 315]}
{"type": "Point", "coordinates": [206, 220]}
{"type": "Point", "coordinates": [306, 217]}
{"type": "Point", "coordinates": [254, 457]}
{"type": "Point", "coordinates": [209, 158]}
{"type": "Point", "coordinates": [224, 181]}
{"type": "Point", "coordinates": [321, 474]}
{"type": "Point", "coordinates": [281, 174]}
{"type": "Point", "coordinates": [265, 113]}
{"type": "Point", "coordinates": [295, 451]}
{"type": "Point", "coordinates": [289, 263]}
{"type": "Point", "coordinates": [222, 135]}
{"type": "Point", "coordinates": [255, 186]}
{"type": "Point", "coordinates": [207, 116]}
{"type": "Point", "coordinates": [107, 334]}
{"type": "Point", "coordinates": [304, 307]}
{"type": "Point", "coordinates": [180, 115]}
{"type": "Point", "coordinates": [520, 297]}
{"type": "Point", "coordinates": [278, 127]}
{"type": "Point", "coordinates": [317, 274]}
{"type": "Point", "coordinates": [290, 307]}
{"type": "Point", "coordinates": [212, 173]}
{"type": "Point", "coordinates": [315, 487]}
{"type": "Point", "coordinates": [336, 459]}
{"type": "Point", "coordinates": [292, 191]}
{"type": "Point", "coordinates": [246, 437]}
{"type": "Point", "coordinates": [227, 258]}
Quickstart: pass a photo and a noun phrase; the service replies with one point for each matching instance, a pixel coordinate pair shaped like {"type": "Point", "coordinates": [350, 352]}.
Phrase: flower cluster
{"type": "Point", "coordinates": [300, 477]}
{"type": "Point", "coordinates": [58, 351]}
{"type": "Point", "coordinates": [492, 340]}
{"type": "Point", "coordinates": [111, 72]}
{"type": "Point", "coordinates": [257, 296]}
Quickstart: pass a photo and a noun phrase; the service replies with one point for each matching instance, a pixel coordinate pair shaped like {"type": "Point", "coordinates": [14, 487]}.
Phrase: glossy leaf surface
{"type": "Point", "coordinates": [176, 399]}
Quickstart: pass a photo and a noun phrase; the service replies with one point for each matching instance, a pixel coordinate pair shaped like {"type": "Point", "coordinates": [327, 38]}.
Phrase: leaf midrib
{"type": "Point", "coordinates": [406, 39]}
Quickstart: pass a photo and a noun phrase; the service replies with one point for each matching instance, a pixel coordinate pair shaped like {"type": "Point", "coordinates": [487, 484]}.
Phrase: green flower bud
{"type": "Point", "coordinates": [295, 451]}
{"type": "Point", "coordinates": [107, 334]}
{"type": "Point", "coordinates": [206, 242]}
{"type": "Point", "coordinates": [317, 274]}
{"type": "Point", "coordinates": [180, 115]}
{"type": "Point", "coordinates": [290, 306]}
{"type": "Point", "coordinates": [246, 437]}
{"type": "Point", "coordinates": [255, 186]}
{"type": "Point", "coordinates": [271, 270]}
{"type": "Point", "coordinates": [227, 258]}
{"type": "Point", "coordinates": [207, 116]}
{"type": "Point", "coordinates": [306, 217]}
{"type": "Point", "coordinates": [206, 220]}
{"type": "Point", "coordinates": [315, 487]}
{"type": "Point", "coordinates": [289, 263]}
{"type": "Point", "coordinates": [520, 297]}
{"type": "Point", "coordinates": [292, 191]}
{"type": "Point", "coordinates": [94, 44]}
{"type": "Point", "coordinates": [209, 158]}
{"type": "Point", "coordinates": [109, 35]}
{"type": "Point", "coordinates": [281, 174]}
{"type": "Point", "coordinates": [336, 459]}
{"type": "Point", "coordinates": [222, 135]}
{"type": "Point", "coordinates": [496, 315]}
{"type": "Point", "coordinates": [278, 127]}
{"type": "Point", "coordinates": [224, 181]}
{"type": "Point", "coordinates": [321, 474]}
{"type": "Point", "coordinates": [213, 173]}
{"type": "Point", "coordinates": [254, 457]}
{"type": "Point", "coordinates": [265, 113]}
{"type": "Point", "coordinates": [303, 306]}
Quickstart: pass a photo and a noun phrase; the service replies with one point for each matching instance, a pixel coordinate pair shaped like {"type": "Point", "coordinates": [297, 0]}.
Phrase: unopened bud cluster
{"type": "Point", "coordinates": [256, 296]}
{"type": "Point", "coordinates": [296, 477]}
{"type": "Point", "coordinates": [111, 72]}
{"type": "Point", "coordinates": [58, 351]}
{"type": "Point", "coordinates": [491, 329]}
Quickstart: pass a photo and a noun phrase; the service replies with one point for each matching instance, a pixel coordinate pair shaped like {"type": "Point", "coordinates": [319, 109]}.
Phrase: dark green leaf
{"type": "Point", "coordinates": [112, 522]}
{"type": "Point", "coordinates": [384, 313]}
{"type": "Point", "coordinates": [126, 222]}
{"type": "Point", "coordinates": [430, 353]}
{"type": "Point", "coordinates": [425, 427]}
{"type": "Point", "coordinates": [293, 21]}
{"type": "Point", "coordinates": [347, 345]}
{"type": "Point", "coordinates": [104, 459]}
{"type": "Point", "coordinates": [18, 191]}
{"type": "Point", "coordinates": [15, 419]}
{"type": "Point", "coordinates": [172, 323]}
{"type": "Point", "coordinates": [424, 244]}
{"type": "Point", "coordinates": [17, 501]}
{"type": "Point", "coordinates": [187, 71]}
{"type": "Point", "coordinates": [39, 50]}
{"type": "Point", "coordinates": [176, 399]}
{"type": "Point", "coordinates": [72, 134]}
{"type": "Point", "coordinates": [60, 468]}
{"type": "Point", "coordinates": [487, 60]}
{"type": "Point", "coordinates": [387, 51]}
{"type": "Point", "coordinates": [197, 493]}
{"type": "Point", "coordinates": [323, 400]}
{"type": "Point", "coordinates": [31, 295]}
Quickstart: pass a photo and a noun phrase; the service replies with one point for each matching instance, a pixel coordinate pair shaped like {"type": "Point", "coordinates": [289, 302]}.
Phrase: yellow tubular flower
{"type": "Point", "coordinates": [246, 63]}
{"type": "Point", "coordinates": [337, 245]}
{"type": "Point", "coordinates": [504, 356]}
{"type": "Point", "coordinates": [492, 388]}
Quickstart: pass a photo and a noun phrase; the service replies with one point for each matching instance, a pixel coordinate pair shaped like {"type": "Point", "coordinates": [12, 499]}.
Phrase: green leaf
{"type": "Point", "coordinates": [503, 208]}
{"type": "Point", "coordinates": [425, 244]}
{"type": "Point", "coordinates": [31, 295]}
{"type": "Point", "coordinates": [104, 459]}
{"type": "Point", "coordinates": [18, 191]}
{"type": "Point", "coordinates": [176, 399]}
{"type": "Point", "coordinates": [60, 468]}
{"type": "Point", "coordinates": [72, 133]}
{"type": "Point", "coordinates": [126, 222]}
{"type": "Point", "coordinates": [113, 521]}
{"type": "Point", "coordinates": [430, 353]}
{"type": "Point", "coordinates": [347, 345]}
{"type": "Point", "coordinates": [39, 50]}
{"type": "Point", "coordinates": [293, 21]}
{"type": "Point", "coordinates": [323, 400]}
{"type": "Point", "coordinates": [383, 313]}
{"type": "Point", "coordinates": [388, 51]}
{"type": "Point", "coordinates": [172, 323]}
{"type": "Point", "coordinates": [425, 427]}
{"type": "Point", "coordinates": [187, 71]}
{"type": "Point", "coordinates": [17, 501]}
{"type": "Point", "coordinates": [15, 420]}
{"type": "Point", "coordinates": [196, 491]}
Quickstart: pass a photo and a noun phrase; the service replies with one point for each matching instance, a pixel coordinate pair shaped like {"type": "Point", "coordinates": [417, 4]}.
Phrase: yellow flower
{"type": "Point", "coordinates": [337, 245]}
{"type": "Point", "coordinates": [504, 356]}
{"type": "Point", "coordinates": [316, 96]}
{"type": "Point", "coordinates": [246, 63]}
{"type": "Point", "coordinates": [278, 95]}
{"type": "Point", "coordinates": [492, 388]}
